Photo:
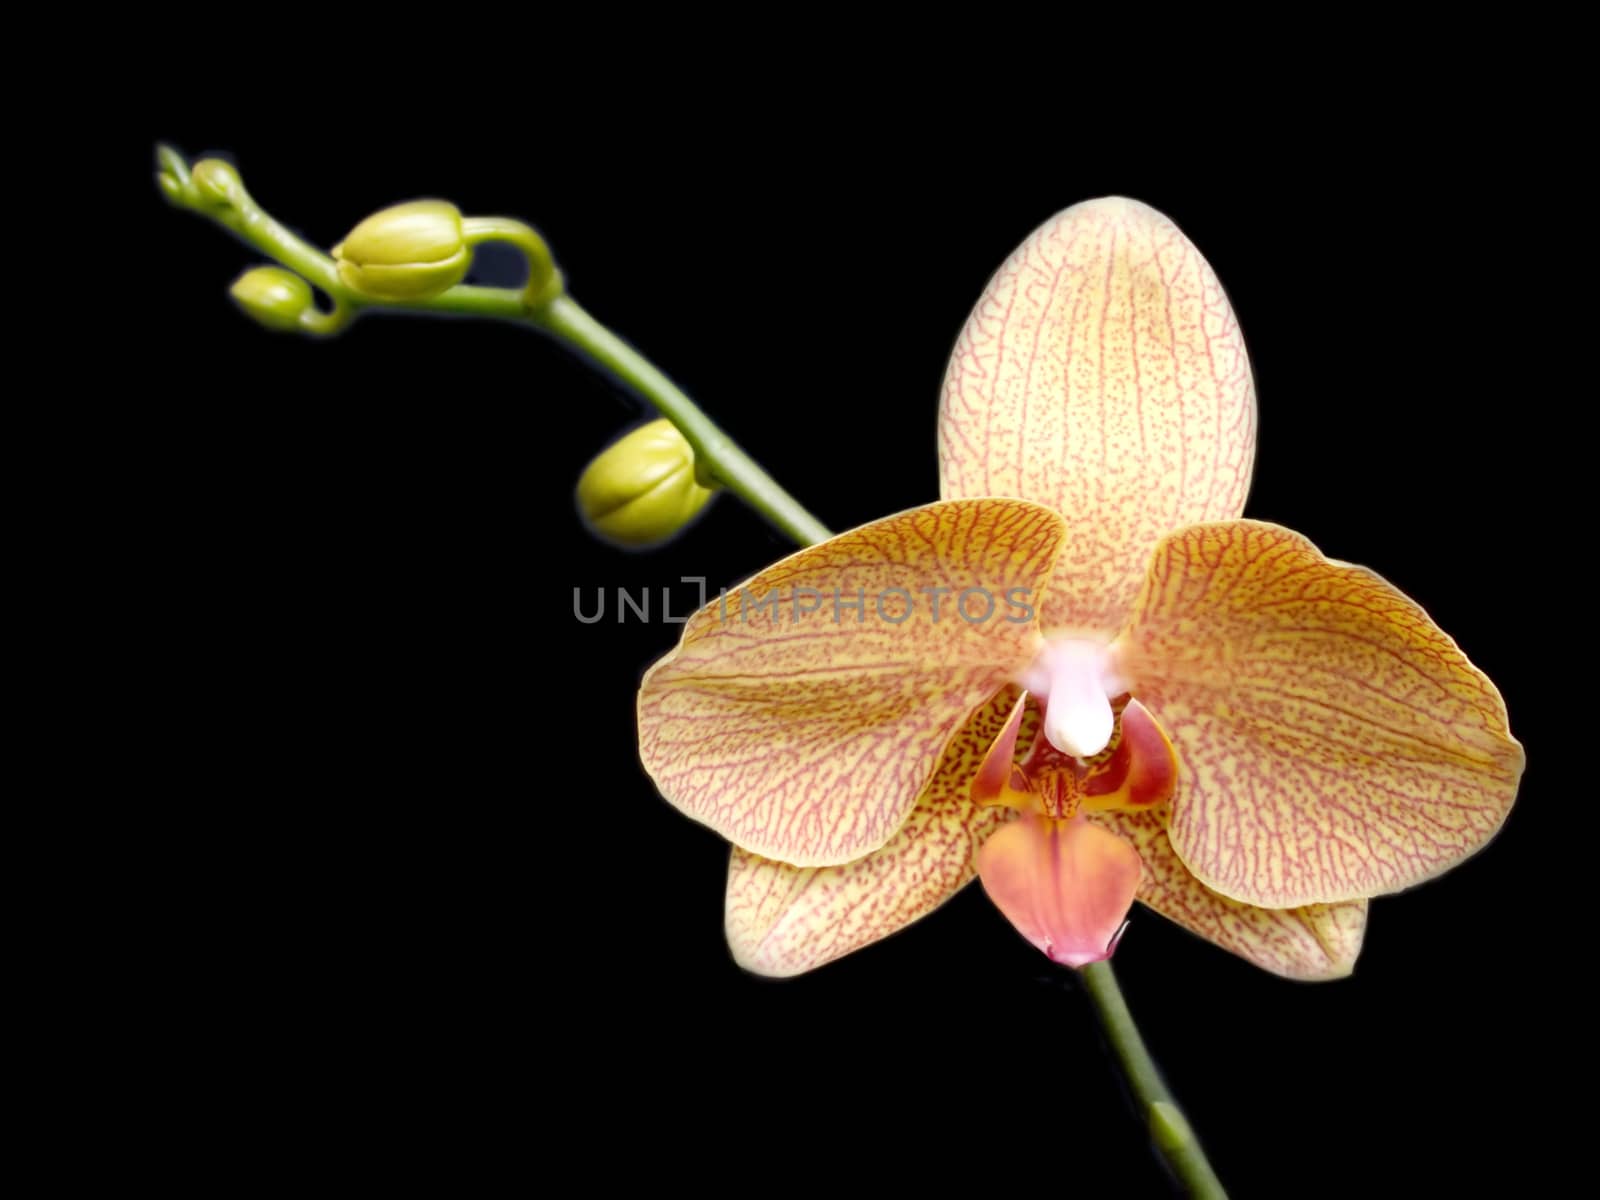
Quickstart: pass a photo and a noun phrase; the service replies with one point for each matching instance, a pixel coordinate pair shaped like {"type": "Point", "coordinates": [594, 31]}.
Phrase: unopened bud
{"type": "Point", "coordinates": [272, 296]}
{"type": "Point", "coordinates": [217, 180]}
{"type": "Point", "coordinates": [642, 488]}
{"type": "Point", "coordinates": [408, 252]}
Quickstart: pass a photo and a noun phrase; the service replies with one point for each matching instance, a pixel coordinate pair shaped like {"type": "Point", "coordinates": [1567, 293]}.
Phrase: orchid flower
{"type": "Point", "coordinates": [1079, 675]}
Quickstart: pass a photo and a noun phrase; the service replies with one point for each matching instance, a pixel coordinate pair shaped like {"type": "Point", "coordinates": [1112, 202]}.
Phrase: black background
{"type": "Point", "coordinates": [421, 908]}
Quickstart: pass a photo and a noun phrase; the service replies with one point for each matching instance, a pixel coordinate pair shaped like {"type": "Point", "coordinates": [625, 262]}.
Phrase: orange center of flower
{"type": "Point", "coordinates": [1137, 770]}
{"type": "Point", "coordinates": [1061, 878]}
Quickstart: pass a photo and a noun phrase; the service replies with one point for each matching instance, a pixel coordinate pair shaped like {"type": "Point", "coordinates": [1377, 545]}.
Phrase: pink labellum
{"type": "Point", "coordinates": [1066, 885]}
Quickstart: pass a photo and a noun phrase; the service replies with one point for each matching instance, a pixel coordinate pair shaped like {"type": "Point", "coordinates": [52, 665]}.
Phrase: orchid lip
{"type": "Point", "coordinates": [1075, 681]}
{"type": "Point", "coordinates": [1066, 885]}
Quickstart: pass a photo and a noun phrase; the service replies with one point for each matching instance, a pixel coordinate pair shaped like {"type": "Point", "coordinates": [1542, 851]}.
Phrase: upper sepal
{"type": "Point", "coordinates": [1102, 372]}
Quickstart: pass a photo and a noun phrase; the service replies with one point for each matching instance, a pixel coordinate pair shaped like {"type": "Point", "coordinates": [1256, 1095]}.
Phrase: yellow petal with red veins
{"type": "Point", "coordinates": [1066, 885]}
{"type": "Point", "coordinates": [801, 716]}
{"type": "Point", "coordinates": [1332, 742]}
{"type": "Point", "coordinates": [1316, 941]}
{"type": "Point", "coordinates": [783, 920]}
{"type": "Point", "coordinates": [1102, 373]}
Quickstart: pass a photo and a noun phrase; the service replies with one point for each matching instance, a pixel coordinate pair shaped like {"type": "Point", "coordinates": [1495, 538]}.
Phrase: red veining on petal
{"type": "Point", "coordinates": [1334, 743]}
{"type": "Point", "coordinates": [1316, 941]}
{"type": "Point", "coordinates": [783, 920]}
{"type": "Point", "coordinates": [804, 734]}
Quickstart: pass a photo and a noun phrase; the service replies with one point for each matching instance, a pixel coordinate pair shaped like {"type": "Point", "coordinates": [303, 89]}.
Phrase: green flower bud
{"type": "Point", "coordinates": [217, 180]}
{"type": "Point", "coordinates": [408, 252]}
{"type": "Point", "coordinates": [272, 296]}
{"type": "Point", "coordinates": [642, 489]}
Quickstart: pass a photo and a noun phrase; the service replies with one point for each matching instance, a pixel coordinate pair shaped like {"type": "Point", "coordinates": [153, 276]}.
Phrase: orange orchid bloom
{"type": "Point", "coordinates": [1079, 675]}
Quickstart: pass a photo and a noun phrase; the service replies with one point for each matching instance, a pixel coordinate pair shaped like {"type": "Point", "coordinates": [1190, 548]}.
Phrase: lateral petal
{"type": "Point", "coordinates": [1066, 885]}
{"type": "Point", "coordinates": [1333, 743]}
{"type": "Point", "coordinates": [802, 727]}
{"type": "Point", "coordinates": [783, 920]}
{"type": "Point", "coordinates": [1315, 941]}
{"type": "Point", "coordinates": [1102, 373]}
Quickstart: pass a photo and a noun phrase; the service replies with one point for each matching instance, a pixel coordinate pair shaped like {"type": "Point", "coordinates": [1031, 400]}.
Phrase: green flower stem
{"type": "Point", "coordinates": [1169, 1128]}
{"type": "Point", "coordinates": [544, 278]}
{"type": "Point", "coordinates": [718, 458]}
{"type": "Point", "coordinates": [240, 214]}
{"type": "Point", "coordinates": [221, 197]}
{"type": "Point", "coordinates": [730, 466]}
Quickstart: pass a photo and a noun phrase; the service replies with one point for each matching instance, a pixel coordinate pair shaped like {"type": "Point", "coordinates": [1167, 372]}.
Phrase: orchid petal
{"type": "Point", "coordinates": [783, 920]}
{"type": "Point", "coordinates": [805, 734]}
{"type": "Point", "coordinates": [1065, 885]}
{"type": "Point", "coordinates": [1315, 941]}
{"type": "Point", "coordinates": [1102, 373]}
{"type": "Point", "coordinates": [1333, 743]}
